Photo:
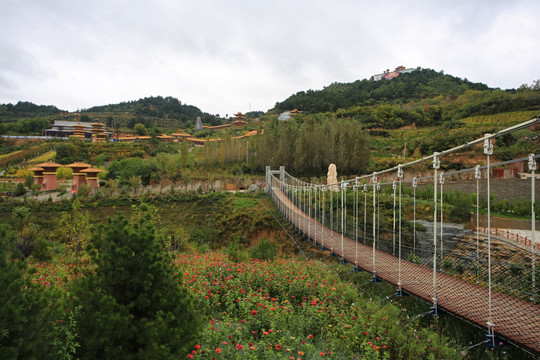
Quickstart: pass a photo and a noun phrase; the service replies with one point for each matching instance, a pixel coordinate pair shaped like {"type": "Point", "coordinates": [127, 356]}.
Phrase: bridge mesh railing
{"type": "Point", "coordinates": [489, 279]}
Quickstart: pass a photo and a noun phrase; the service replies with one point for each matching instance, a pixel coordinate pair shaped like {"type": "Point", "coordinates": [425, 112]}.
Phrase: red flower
{"type": "Point", "coordinates": [198, 347]}
{"type": "Point", "coordinates": [322, 354]}
{"type": "Point", "coordinates": [239, 346]}
{"type": "Point", "coordinates": [190, 356]}
{"type": "Point", "coordinates": [253, 312]}
{"type": "Point", "coordinates": [278, 347]}
{"type": "Point", "coordinates": [218, 350]}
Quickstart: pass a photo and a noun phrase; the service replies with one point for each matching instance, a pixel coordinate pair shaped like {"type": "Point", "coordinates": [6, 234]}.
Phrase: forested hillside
{"type": "Point", "coordinates": [157, 107]}
{"type": "Point", "coordinates": [423, 97]}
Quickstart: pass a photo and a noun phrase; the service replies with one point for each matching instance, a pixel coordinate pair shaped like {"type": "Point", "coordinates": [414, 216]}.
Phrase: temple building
{"type": "Point", "coordinates": [78, 176]}
{"type": "Point", "coordinates": [79, 131]}
{"type": "Point", "coordinates": [45, 175]}
{"type": "Point", "coordinates": [165, 138]}
{"type": "Point", "coordinates": [49, 181]}
{"type": "Point", "coordinates": [98, 132]}
{"type": "Point", "coordinates": [180, 136]}
{"type": "Point", "coordinates": [92, 177]}
{"type": "Point", "coordinates": [63, 129]}
{"type": "Point", "coordinates": [38, 175]}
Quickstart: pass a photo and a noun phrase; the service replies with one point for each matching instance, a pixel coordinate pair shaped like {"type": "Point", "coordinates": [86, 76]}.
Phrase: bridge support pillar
{"type": "Point", "coordinates": [268, 174]}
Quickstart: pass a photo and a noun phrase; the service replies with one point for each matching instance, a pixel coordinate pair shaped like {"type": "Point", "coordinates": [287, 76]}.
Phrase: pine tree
{"type": "Point", "coordinates": [25, 330]}
{"type": "Point", "coordinates": [133, 302]}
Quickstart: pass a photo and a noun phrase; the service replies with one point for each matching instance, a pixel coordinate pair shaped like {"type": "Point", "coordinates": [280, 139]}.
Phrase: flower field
{"type": "Point", "coordinates": [290, 309]}
{"type": "Point", "coordinates": [285, 309]}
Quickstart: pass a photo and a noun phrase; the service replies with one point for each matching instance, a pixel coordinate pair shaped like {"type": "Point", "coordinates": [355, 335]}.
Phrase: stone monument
{"type": "Point", "coordinates": [331, 177]}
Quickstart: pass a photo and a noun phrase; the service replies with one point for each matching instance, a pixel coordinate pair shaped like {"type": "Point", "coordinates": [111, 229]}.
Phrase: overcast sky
{"type": "Point", "coordinates": [234, 55]}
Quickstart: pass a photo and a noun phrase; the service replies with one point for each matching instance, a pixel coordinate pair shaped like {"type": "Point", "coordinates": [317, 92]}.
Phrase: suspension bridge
{"type": "Point", "coordinates": [480, 277]}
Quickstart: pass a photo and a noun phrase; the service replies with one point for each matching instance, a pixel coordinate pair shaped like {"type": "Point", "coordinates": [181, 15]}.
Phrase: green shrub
{"type": "Point", "coordinates": [20, 189]}
{"type": "Point", "coordinates": [264, 250]}
{"type": "Point", "coordinates": [42, 250]}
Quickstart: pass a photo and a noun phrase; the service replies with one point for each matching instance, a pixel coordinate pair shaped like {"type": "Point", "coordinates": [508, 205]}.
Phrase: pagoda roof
{"type": "Point", "coordinates": [97, 124]}
{"type": "Point", "coordinates": [92, 170]}
{"type": "Point", "coordinates": [79, 164]}
{"type": "Point", "coordinates": [239, 114]}
{"type": "Point", "coordinates": [37, 168]}
{"type": "Point", "coordinates": [165, 136]}
{"type": "Point", "coordinates": [49, 164]}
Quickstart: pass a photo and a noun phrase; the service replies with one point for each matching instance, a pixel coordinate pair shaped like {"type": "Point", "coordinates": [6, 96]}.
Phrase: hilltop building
{"type": "Point", "coordinates": [287, 115]}
{"type": "Point", "coordinates": [387, 74]}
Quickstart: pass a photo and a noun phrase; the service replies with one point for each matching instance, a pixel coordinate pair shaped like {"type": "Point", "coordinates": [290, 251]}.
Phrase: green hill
{"type": "Point", "coordinates": [423, 97]}
{"type": "Point", "coordinates": [164, 111]}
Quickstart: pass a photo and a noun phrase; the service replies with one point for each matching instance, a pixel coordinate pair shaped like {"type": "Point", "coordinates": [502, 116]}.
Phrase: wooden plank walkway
{"type": "Point", "coordinates": [515, 319]}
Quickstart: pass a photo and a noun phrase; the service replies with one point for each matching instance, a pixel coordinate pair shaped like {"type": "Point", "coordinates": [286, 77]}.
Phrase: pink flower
{"type": "Point", "coordinates": [239, 346]}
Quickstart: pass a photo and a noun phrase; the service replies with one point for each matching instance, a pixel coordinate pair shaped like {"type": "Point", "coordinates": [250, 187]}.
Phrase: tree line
{"type": "Point", "coordinates": [307, 145]}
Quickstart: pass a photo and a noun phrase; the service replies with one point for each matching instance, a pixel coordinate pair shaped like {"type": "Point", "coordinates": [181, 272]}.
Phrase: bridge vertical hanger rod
{"type": "Point", "coordinates": [323, 215]}
{"type": "Point", "coordinates": [365, 213]}
{"type": "Point", "coordinates": [441, 182]}
{"type": "Point", "coordinates": [304, 209]}
{"type": "Point", "coordinates": [331, 219]}
{"type": "Point", "coordinates": [400, 177]}
{"type": "Point", "coordinates": [343, 185]}
{"type": "Point", "coordinates": [309, 213]}
{"type": "Point", "coordinates": [374, 181]}
{"type": "Point", "coordinates": [316, 206]}
{"type": "Point", "coordinates": [532, 169]}
{"type": "Point", "coordinates": [356, 223]}
{"type": "Point", "coordinates": [331, 208]}
{"type": "Point", "coordinates": [488, 151]}
{"type": "Point", "coordinates": [378, 213]}
{"type": "Point", "coordinates": [414, 185]}
{"type": "Point", "coordinates": [394, 187]}
{"type": "Point", "coordinates": [337, 206]}
{"type": "Point", "coordinates": [299, 207]}
{"type": "Point", "coordinates": [477, 176]}
{"type": "Point", "coordinates": [436, 166]}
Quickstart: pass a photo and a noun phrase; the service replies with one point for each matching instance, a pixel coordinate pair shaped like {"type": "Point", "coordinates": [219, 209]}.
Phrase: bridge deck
{"type": "Point", "coordinates": [515, 319]}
